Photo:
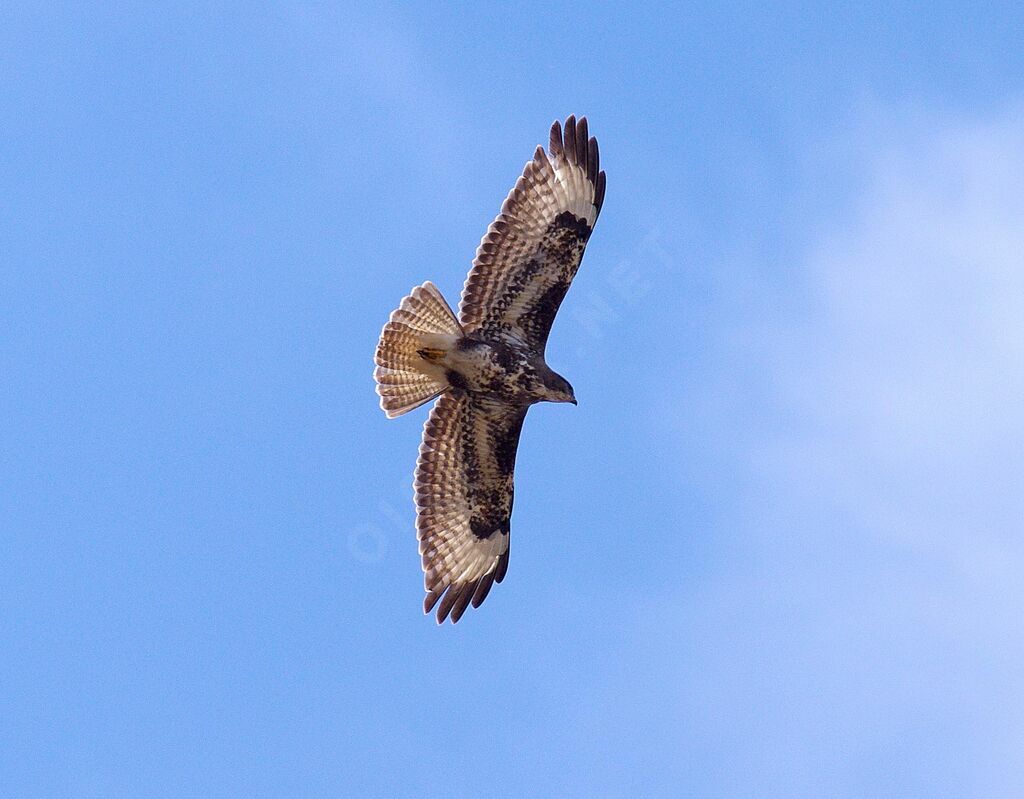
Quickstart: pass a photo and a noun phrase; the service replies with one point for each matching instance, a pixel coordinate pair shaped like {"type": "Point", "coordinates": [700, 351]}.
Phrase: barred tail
{"type": "Point", "coordinates": [405, 379]}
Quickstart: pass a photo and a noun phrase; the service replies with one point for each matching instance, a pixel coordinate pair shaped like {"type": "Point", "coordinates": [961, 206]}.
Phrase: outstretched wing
{"type": "Point", "coordinates": [531, 252]}
{"type": "Point", "coordinates": [464, 498]}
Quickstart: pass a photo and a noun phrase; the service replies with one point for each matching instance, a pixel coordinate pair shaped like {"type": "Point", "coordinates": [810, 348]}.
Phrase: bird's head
{"type": "Point", "coordinates": [557, 389]}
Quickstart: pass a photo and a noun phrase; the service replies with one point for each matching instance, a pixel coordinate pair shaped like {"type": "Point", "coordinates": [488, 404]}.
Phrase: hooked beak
{"type": "Point", "coordinates": [573, 401]}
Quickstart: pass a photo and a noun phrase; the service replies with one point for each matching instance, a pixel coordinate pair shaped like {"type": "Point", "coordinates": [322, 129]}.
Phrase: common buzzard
{"type": "Point", "coordinates": [487, 366]}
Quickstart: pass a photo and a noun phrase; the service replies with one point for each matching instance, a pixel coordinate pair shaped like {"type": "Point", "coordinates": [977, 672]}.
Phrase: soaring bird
{"type": "Point", "coordinates": [487, 366]}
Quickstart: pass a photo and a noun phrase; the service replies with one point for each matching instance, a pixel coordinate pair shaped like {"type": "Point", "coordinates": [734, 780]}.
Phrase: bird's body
{"type": "Point", "coordinates": [488, 367]}
{"type": "Point", "coordinates": [499, 370]}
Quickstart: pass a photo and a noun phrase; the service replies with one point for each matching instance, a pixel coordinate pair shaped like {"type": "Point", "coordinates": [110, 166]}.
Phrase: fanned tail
{"type": "Point", "coordinates": [405, 379]}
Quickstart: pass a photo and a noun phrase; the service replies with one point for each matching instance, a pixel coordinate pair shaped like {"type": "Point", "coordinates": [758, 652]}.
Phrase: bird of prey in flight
{"type": "Point", "coordinates": [487, 366]}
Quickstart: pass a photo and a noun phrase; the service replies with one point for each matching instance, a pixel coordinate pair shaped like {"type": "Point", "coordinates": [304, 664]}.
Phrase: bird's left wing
{"type": "Point", "coordinates": [464, 498]}
{"type": "Point", "coordinates": [531, 252]}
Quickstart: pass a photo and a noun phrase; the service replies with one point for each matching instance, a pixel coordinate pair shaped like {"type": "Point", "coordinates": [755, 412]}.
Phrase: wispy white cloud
{"type": "Point", "coordinates": [867, 628]}
{"type": "Point", "coordinates": [907, 373]}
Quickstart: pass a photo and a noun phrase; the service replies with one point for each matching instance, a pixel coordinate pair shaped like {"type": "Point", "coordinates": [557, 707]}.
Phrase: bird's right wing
{"type": "Point", "coordinates": [531, 252]}
{"type": "Point", "coordinates": [464, 498]}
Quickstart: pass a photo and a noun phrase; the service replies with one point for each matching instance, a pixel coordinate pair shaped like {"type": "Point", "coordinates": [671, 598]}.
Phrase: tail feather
{"type": "Point", "coordinates": [404, 379]}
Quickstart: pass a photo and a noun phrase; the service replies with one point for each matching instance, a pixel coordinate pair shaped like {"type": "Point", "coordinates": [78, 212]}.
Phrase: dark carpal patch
{"type": "Point", "coordinates": [505, 447]}
{"type": "Point", "coordinates": [482, 527]}
{"type": "Point", "coordinates": [570, 221]}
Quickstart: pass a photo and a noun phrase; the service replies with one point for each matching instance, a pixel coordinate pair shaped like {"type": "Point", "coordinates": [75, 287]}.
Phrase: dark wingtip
{"type": "Point", "coordinates": [462, 601]}
{"type": "Point", "coordinates": [482, 589]}
{"type": "Point", "coordinates": [446, 604]}
{"type": "Point", "coordinates": [502, 568]}
{"type": "Point", "coordinates": [555, 138]}
{"type": "Point", "coordinates": [582, 148]}
{"type": "Point", "coordinates": [569, 140]}
{"type": "Point", "coordinates": [431, 599]}
{"type": "Point", "coordinates": [579, 148]}
{"type": "Point", "coordinates": [458, 597]}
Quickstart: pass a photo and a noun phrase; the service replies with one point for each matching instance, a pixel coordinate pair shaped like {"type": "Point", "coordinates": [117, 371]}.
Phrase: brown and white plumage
{"type": "Point", "coordinates": [488, 366]}
{"type": "Point", "coordinates": [531, 252]}
{"type": "Point", "coordinates": [464, 498]}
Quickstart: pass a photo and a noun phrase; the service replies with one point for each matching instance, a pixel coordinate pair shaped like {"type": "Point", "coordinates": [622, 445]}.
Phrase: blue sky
{"type": "Point", "coordinates": [776, 550]}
